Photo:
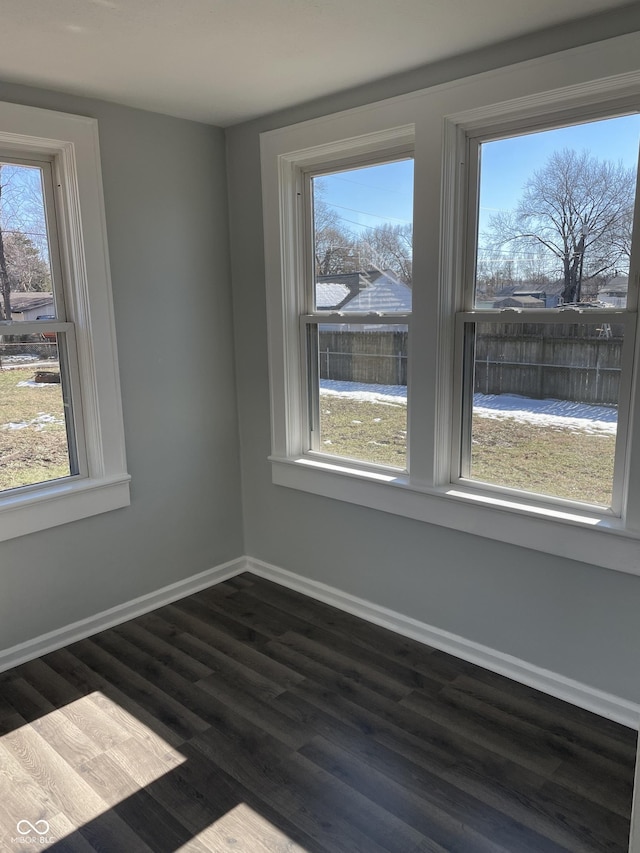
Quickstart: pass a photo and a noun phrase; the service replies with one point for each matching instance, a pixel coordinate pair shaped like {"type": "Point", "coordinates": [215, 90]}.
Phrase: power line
{"type": "Point", "coordinates": [374, 215]}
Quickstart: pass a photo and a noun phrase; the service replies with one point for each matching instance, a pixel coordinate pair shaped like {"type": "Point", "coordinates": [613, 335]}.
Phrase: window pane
{"type": "Point", "coordinates": [360, 395]}
{"type": "Point", "coordinates": [555, 216]}
{"type": "Point", "coordinates": [25, 265]}
{"type": "Point", "coordinates": [543, 400]}
{"type": "Point", "coordinates": [34, 412]}
{"type": "Point", "coordinates": [363, 238]}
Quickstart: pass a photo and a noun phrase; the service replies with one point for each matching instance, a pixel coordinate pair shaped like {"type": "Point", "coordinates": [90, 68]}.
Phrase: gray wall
{"type": "Point", "coordinates": [166, 208]}
{"type": "Point", "coordinates": [574, 619]}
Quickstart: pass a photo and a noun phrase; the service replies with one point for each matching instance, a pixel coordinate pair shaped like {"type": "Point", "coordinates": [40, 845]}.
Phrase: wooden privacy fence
{"type": "Point", "coordinates": [575, 363]}
{"type": "Point", "coordinates": [559, 362]}
{"type": "Point", "coordinates": [378, 358]}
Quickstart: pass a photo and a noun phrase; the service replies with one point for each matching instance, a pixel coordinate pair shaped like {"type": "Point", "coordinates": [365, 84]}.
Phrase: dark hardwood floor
{"type": "Point", "coordinates": [250, 718]}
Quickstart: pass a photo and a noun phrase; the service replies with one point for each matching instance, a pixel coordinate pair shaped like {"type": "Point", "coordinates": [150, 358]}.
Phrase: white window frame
{"type": "Point", "coordinates": [102, 483]}
{"type": "Point", "coordinates": [467, 141]}
{"type": "Point", "coordinates": [573, 85]}
{"type": "Point", "coordinates": [391, 147]}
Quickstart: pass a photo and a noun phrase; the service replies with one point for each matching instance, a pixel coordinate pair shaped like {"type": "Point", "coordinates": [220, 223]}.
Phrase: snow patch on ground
{"type": "Point", "coordinates": [18, 359]}
{"type": "Point", "coordinates": [31, 383]}
{"type": "Point", "coordinates": [556, 414]}
{"type": "Point", "coordinates": [367, 393]}
{"type": "Point", "coordinates": [38, 423]}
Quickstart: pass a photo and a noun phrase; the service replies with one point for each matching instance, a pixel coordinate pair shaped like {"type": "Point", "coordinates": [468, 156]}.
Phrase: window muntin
{"type": "Point", "coordinates": [549, 343]}
{"type": "Point", "coordinates": [361, 273]}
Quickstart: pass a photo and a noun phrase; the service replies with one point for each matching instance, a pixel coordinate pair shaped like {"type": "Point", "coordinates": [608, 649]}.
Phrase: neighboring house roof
{"type": "Point", "coordinates": [618, 284]}
{"type": "Point", "coordinates": [549, 288]}
{"type": "Point", "coordinates": [28, 301]}
{"type": "Point", "coordinates": [331, 295]}
{"type": "Point", "coordinates": [385, 294]}
{"type": "Point", "coordinates": [519, 302]}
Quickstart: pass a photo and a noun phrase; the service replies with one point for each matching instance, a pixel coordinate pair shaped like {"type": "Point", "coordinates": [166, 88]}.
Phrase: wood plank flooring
{"type": "Point", "coordinates": [250, 718]}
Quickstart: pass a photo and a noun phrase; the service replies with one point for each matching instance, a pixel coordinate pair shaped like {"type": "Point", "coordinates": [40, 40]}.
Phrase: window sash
{"type": "Point", "coordinates": [466, 143]}
{"type": "Point", "coordinates": [310, 379]}
{"type": "Point", "coordinates": [45, 165]}
{"type": "Point", "coordinates": [70, 385]}
{"type": "Point", "coordinates": [463, 393]}
{"type": "Point", "coordinates": [306, 217]}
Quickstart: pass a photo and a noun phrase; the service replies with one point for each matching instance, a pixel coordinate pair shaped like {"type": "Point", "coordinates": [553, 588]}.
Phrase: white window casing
{"type": "Point", "coordinates": [102, 481]}
{"type": "Point", "coordinates": [575, 86]}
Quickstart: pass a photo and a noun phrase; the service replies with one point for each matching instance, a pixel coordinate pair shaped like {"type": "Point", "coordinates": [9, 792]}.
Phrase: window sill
{"type": "Point", "coordinates": [57, 503]}
{"type": "Point", "coordinates": [589, 538]}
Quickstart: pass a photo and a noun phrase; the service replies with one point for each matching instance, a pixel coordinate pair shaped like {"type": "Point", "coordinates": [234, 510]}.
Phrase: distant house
{"type": "Point", "coordinates": [335, 291]}
{"type": "Point", "coordinates": [379, 292]}
{"type": "Point", "coordinates": [331, 295]}
{"type": "Point", "coordinates": [517, 296]}
{"type": "Point", "coordinates": [614, 295]}
{"type": "Point", "coordinates": [517, 301]}
{"type": "Point", "coordinates": [31, 306]}
{"type": "Point", "coordinates": [385, 294]}
{"type": "Point", "coordinates": [332, 291]}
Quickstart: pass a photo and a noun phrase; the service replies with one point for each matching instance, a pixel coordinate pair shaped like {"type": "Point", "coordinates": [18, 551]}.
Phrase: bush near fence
{"type": "Point", "coordinates": [557, 361]}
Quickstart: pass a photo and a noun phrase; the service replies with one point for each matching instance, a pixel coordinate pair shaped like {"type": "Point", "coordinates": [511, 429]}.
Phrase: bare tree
{"type": "Point", "coordinates": [335, 247]}
{"type": "Point", "coordinates": [23, 234]}
{"type": "Point", "coordinates": [390, 247]}
{"type": "Point", "coordinates": [5, 285]}
{"type": "Point", "coordinates": [28, 272]}
{"type": "Point", "coordinates": [339, 250]}
{"type": "Point", "coordinates": [579, 210]}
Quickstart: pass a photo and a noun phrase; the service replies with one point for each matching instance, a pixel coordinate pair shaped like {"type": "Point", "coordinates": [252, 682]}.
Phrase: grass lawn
{"type": "Point", "coordinates": [38, 451]}
{"type": "Point", "coordinates": [506, 452]}
{"type": "Point", "coordinates": [371, 432]}
{"type": "Point", "coordinates": [558, 462]}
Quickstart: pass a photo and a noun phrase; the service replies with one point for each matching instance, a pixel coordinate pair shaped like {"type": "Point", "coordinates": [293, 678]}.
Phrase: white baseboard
{"type": "Point", "coordinates": [582, 695]}
{"type": "Point", "coordinates": [61, 637]}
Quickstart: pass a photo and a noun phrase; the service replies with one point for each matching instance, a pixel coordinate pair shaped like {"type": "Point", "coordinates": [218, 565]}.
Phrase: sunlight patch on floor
{"type": "Point", "coordinates": [68, 767]}
{"type": "Point", "coordinates": [244, 830]}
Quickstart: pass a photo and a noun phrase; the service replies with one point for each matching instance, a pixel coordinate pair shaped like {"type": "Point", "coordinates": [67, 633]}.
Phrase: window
{"type": "Point", "coordinates": [61, 436]}
{"type": "Point", "coordinates": [545, 356]}
{"type": "Point", "coordinates": [39, 441]}
{"type": "Point", "coordinates": [517, 344]}
{"type": "Point", "coordinates": [359, 296]}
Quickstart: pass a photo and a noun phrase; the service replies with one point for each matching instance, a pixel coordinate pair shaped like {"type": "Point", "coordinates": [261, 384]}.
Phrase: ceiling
{"type": "Point", "coordinates": [225, 61]}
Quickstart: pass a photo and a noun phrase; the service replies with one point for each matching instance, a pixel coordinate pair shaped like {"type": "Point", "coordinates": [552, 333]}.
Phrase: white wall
{"type": "Point", "coordinates": [574, 619]}
{"type": "Point", "coordinates": [166, 209]}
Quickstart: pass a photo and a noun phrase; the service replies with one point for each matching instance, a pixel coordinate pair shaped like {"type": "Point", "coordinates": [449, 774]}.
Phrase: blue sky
{"type": "Point", "coordinates": [22, 206]}
{"type": "Point", "coordinates": [364, 198]}
{"type": "Point", "coordinates": [507, 163]}
{"type": "Point", "coordinates": [384, 193]}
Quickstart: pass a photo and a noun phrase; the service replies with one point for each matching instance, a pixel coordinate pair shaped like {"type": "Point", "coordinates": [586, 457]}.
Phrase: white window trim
{"type": "Point", "coordinates": [579, 80]}
{"type": "Point", "coordinates": [72, 141]}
